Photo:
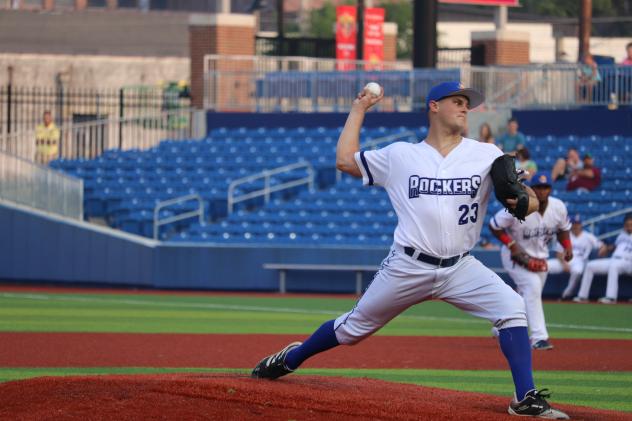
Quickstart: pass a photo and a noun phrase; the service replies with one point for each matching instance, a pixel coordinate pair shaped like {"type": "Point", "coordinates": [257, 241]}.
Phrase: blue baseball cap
{"type": "Point", "coordinates": [447, 89]}
{"type": "Point", "coordinates": [540, 179]}
{"type": "Point", "coordinates": [576, 219]}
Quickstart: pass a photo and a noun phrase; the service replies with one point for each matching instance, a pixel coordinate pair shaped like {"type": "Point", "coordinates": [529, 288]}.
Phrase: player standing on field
{"type": "Point", "coordinates": [526, 248]}
{"type": "Point", "coordinates": [439, 188]}
{"type": "Point", "coordinates": [619, 264]}
{"type": "Point", "coordinates": [583, 244]}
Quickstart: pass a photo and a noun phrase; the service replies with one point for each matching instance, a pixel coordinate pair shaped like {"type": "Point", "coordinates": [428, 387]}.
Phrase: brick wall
{"type": "Point", "coordinates": [48, 4]}
{"type": "Point", "coordinates": [505, 52]}
{"type": "Point", "coordinates": [503, 47]}
{"type": "Point", "coordinates": [227, 35]}
{"type": "Point", "coordinates": [390, 41]}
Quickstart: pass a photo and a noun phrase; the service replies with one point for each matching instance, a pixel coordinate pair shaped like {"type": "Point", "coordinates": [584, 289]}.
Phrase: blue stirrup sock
{"type": "Point", "coordinates": [322, 339]}
{"type": "Point", "coordinates": [514, 342]}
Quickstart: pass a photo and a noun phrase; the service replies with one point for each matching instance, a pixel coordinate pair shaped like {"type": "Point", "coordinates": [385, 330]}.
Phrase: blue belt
{"type": "Point", "coordinates": [444, 263]}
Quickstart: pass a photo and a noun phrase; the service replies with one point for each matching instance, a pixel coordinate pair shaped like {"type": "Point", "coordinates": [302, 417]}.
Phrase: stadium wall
{"type": "Point", "coordinates": [579, 122]}
{"type": "Point", "coordinates": [40, 248]}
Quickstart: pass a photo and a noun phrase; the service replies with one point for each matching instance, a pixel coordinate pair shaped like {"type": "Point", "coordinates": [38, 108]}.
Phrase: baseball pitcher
{"type": "Point", "coordinates": [439, 188]}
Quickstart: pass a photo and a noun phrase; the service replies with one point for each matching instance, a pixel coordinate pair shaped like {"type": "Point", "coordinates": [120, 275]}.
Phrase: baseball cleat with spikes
{"type": "Point", "coordinates": [273, 366]}
{"type": "Point", "coordinates": [535, 405]}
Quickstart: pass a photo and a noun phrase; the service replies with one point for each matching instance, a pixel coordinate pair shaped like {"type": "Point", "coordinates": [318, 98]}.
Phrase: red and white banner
{"type": "Point", "coordinates": [346, 30]}
{"type": "Point", "coordinates": [373, 37]}
{"type": "Point", "coordinates": [510, 3]}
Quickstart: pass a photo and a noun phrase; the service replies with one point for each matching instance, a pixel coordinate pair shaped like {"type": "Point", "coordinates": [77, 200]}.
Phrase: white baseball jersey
{"type": "Point", "coordinates": [535, 234]}
{"type": "Point", "coordinates": [582, 244]}
{"type": "Point", "coordinates": [440, 201]}
{"type": "Point", "coordinates": [623, 245]}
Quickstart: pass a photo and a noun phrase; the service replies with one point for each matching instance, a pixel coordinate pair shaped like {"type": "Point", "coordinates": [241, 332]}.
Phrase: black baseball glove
{"type": "Point", "coordinates": [507, 185]}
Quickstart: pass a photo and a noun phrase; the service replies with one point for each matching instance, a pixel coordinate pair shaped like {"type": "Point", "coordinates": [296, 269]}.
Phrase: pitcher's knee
{"type": "Point", "coordinates": [353, 327]}
{"type": "Point", "coordinates": [348, 335]}
{"type": "Point", "coordinates": [511, 322]}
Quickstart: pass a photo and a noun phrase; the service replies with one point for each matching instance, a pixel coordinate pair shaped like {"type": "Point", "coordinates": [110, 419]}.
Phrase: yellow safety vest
{"type": "Point", "coordinates": [47, 139]}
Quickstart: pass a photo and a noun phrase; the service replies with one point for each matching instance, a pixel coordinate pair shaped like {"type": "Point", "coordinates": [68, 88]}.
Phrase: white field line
{"type": "Point", "coordinates": [232, 307]}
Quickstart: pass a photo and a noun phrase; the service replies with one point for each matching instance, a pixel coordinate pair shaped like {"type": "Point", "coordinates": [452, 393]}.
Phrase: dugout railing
{"type": "Point", "coordinates": [591, 223]}
{"type": "Point", "coordinates": [234, 196]}
{"type": "Point", "coordinates": [186, 214]}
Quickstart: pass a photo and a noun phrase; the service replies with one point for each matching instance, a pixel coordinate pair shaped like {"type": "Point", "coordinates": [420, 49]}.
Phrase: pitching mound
{"type": "Point", "coordinates": [237, 397]}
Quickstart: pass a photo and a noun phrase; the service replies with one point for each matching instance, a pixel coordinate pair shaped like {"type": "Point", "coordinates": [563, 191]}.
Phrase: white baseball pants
{"type": "Point", "coordinates": [576, 267]}
{"type": "Point", "coordinates": [613, 267]}
{"type": "Point", "coordinates": [402, 282]}
{"type": "Point", "coordinates": [530, 285]}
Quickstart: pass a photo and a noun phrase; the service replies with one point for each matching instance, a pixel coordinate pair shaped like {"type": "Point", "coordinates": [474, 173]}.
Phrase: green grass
{"type": "Point", "coordinates": [150, 313]}
{"type": "Point", "coordinates": [594, 389]}
{"type": "Point", "coordinates": [204, 313]}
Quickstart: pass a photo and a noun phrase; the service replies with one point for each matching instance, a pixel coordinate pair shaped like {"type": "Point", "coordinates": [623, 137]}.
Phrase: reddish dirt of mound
{"type": "Point", "coordinates": [231, 397]}
{"type": "Point", "coordinates": [238, 351]}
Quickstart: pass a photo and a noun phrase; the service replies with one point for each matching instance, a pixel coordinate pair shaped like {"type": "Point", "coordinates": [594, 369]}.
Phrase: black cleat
{"type": "Point", "coordinates": [534, 404]}
{"type": "Point", "coordinates": [273, 366]}
{"type": "Point", "coordinates": [542, 345]}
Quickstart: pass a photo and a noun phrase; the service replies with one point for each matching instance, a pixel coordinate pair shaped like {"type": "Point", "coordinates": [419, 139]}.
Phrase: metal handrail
{"type": "Point", "coordinates": [30, 184]}
{"type": "Point", "coordinates": [181, 199]}
{"type": "Point", "coordinates": [592, 221]}
{"type": "Point", "coordinates": [267, 190]}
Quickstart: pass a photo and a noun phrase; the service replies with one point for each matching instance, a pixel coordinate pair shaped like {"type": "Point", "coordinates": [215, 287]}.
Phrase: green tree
{"type": "Point", "coordinates": [401, 13]}
{"type": "Point", "coordinates": [322, 21]}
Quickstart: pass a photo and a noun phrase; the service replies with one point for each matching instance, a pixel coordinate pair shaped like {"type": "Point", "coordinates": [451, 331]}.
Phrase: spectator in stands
{"type": "Point", "coordinates": [587, 77]}
{"type": "Point", "coordinates": [46, 140]}
{"type": "Point", "coordinates": [564, 167]}
{"type": "Point", "coordinates": [628, 60]}
{"type": "Point", "coordinates": [525, 163]}
{"type": "Point", "coordinates": [587, 178]}
{"type": "Point", "coordinates": [512, 140]}
{"type": "Point", "coordinates": [485, 134]}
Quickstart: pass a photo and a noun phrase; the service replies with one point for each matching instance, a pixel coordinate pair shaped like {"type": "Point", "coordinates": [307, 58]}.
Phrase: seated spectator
{"type": "Point", "coordinates": [512, 140]}
{"type": "Point", "coordinates": [564, 167]}
{"type": "Point", "coordinates": [587, 77]}
{"type": "Point", "coordinates": [587, 178]}
{"type": "Point", "coordinates": [485, 134]}
{"type": "Point", "coordinates": [628, 60]}
{"type": "Point", "coordinates": [525, 163]}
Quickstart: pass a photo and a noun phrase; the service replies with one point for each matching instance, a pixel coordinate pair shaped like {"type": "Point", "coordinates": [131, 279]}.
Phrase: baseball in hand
{"type": "Point", "coordinates": [373, 89]}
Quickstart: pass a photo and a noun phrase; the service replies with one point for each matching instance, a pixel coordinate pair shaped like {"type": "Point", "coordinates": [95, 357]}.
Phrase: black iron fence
{"type": "Point", "coordinates": [296, 46]}
{"type": "Point", "coordinates": [22, 107]}
{"type": "Point", "coordinates": [326, 48]}
{"type": "Point", "coordinates": [454, 57]}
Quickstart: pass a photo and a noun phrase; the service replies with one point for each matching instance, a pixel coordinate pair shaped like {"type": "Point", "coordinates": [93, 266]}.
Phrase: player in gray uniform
{"type": "Point", "coordinates": [439, 189]}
